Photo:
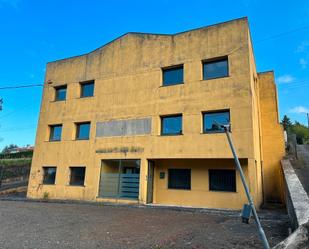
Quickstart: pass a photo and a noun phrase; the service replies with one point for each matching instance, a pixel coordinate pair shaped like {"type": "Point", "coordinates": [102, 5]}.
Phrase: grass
{"type": "Point", "coordinates": [16, 162]}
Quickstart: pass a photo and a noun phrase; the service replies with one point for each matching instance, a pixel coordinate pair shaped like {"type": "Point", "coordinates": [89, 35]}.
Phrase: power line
{"type": "Point", "coordinates": [20, 86]}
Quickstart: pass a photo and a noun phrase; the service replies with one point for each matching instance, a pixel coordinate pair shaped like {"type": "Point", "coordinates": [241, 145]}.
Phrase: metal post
{"type": "Point", "coordinates": [260, 228]}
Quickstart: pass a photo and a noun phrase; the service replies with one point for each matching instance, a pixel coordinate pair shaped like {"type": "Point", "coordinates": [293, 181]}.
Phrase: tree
{"type": "Point", "coordinates": [302, 133]}
{"type": "Point", "coordinates": [8, 148]}
{"type": "Point", "coordinates": [287, 124]}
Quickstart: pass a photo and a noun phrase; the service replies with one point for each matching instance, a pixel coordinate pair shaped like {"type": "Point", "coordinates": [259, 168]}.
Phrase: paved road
{"type": "Point", "coordinates": [302, 167]}
{"type": "Point", "coordinates": [55, 225]}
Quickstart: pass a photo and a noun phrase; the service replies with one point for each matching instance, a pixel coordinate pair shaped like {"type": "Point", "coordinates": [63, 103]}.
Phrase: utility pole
{"type": "Point", "coordinates": [243, 179]}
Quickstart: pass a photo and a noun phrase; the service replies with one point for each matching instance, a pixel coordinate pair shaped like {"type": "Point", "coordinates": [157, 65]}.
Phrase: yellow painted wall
{"type": "Point", "coordinates": [128, 84]}
{"type": "Point", "coordinates": [273, 139]}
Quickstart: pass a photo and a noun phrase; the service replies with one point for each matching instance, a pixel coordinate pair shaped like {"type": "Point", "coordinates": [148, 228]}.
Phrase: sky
{"type": "Point", "coordinates": [34, 32]}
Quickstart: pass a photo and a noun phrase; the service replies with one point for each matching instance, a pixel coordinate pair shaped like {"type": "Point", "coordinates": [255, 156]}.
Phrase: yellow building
{"type": "Point", "coordinates": [135, 121]}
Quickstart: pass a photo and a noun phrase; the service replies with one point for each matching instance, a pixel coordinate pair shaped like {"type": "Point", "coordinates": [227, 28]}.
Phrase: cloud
{"type": "Point", "coordinates": [11, 3]}
{"type": "Point", "coordinates": [285, 79]}
{"type": "Point", "coordinates": [303, 62]}
{"type": "Point", "coordinates": [299, 110]}
{"type": "Point", "coordinates": [302, 47]}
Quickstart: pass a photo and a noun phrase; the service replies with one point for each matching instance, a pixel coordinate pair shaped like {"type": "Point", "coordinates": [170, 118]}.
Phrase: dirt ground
{"type": "Point", "coordinates": [25, 224]}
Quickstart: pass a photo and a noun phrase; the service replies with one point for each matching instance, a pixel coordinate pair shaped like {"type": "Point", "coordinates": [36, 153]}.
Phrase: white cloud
{"type": "Point", "coordinates": [302, 47]}
{"type": "Point", "coordinates": [285, 79]}
{"type": "Point", "coordinates": [299, 110]}
{"type": "Point", "coordinates": [303, 62]}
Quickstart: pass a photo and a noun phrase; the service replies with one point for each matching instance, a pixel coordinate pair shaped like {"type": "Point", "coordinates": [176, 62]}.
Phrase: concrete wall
{"type": "Point", "coordinates": [272, 138]}
{"type": "Point", "coordinates": [297, 203]}
{"type": "Point", "coordinates": [128, 86]}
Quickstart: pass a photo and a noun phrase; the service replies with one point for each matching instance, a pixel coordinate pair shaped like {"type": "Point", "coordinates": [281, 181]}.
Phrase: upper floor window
{"type": "Point", "coordinates": [77, 176]}
{"type": "Point", "coordinates": [172, 75]}
{"type": "Point", "coordinates": [215, 68]}
{"type": "Point", "coordinates": [171, 125]}
{"type": "Point", "coordinates": [49, 175]}
{"type": "Point", "coordinates": [222, 180]}
{"type": "Point", "coordinates": [87, 89]}
{"type": "Point", "coordinates": [55, 132]}
{"type": "Point", "coordinates": [213, 120]}
{"type": "Point", "coordinates": [82, 130]}
{"type": "Point", "coordinates": [60, 93]}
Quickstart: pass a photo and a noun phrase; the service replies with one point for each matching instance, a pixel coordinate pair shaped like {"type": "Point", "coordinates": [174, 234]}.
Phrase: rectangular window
{"type": "Point", "coordinates": [77, 176]}
{"type": "Point", "coordinates": [217, 68]}
{"type": "Point", "coordinates": [82, 131]}
{"type": "Point", "coordinates": [222, 180]}
{"type": "Point", "coordinates": [212, 120]}
{"type": "Point", "coordinates": [173, 75]}
{"type": "Point", "coordinates": [171, 125]}
{"type": "Point", "coordinates": [60, 93]}
{"type": "Point", "coordinates": [55, 132]}
{"type": "Point", "coordinates": [49, 175]}
{"type": "Point", "coordinates": [87, 89]}
{"type": "Point", "coordinates": [179, 178]}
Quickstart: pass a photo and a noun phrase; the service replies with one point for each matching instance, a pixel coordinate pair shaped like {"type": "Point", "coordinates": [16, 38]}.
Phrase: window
{"type": "Point", "coordinates": [172, 76]}
{"type": "Point", "coordinates": [61, 92]}
{"type": "Point", "coordinates": [77, 176]}
{"type": "Point", "coordinates": [215, 68]}
{"type": "Point", "coordinates": [222, 180]}
{"type": "Point", "coordinates": [171, 125]}
{"type": "Point", "coordinates": [49, 175]}
{"type": "Point", "coordinates": [87, 89]}
{"type": "Point", "coordinates": [179, 178]}
{"type": "Point", "coordinates": [55, 132]}
{"type": "Point", "coordinates": [212, 119]}
{"type": "Point", "coordinates": [82, 131]}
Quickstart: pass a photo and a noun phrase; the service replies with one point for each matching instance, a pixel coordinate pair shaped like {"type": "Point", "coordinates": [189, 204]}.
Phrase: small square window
{"type": "Point", "coordinates": [87, 89]}
{"type": "Point", "coordinates": [171, 125]}
{"type": "Point", "coordinates": [173, 75]}
{"type": "Point", "coordinates": [77, 176]}
{"type": "Point", "coordinates": [222, 180]}
{"type": "Point", "coordinates": [55, 132]}
{"type": "Point", "coordinates": [60, 93]}
{"type": "Point", "coordinates": [179, 178]}
{"type": "Point", "coordinates": [82, 131]}
{"type": "Point", "coordinates": [49, 175]}
{"type": "Point", "coordinates": [216, 68]}
{"type": "Point", "coordinates": [212, 120]}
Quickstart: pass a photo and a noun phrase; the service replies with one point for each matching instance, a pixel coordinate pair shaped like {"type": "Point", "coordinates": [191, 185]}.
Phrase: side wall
{"type": "Point", "coordinates": [272, 138]}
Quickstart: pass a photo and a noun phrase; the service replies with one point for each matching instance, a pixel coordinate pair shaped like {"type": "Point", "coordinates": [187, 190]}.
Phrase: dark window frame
{"type": "Point", "coordinates": [171, 116]}
{"type": "Point", "coordinates": [82, 84]}
{"type": "Point", "coordinates": [232, 188]}
{"type": "Point", "coordinates": [77, 130]}
{"type": "Point", "coordinates": [169, 181]}
{"type": "Point", "coordinates": [212, 112]}
{"type": "Point", "coordinates": [164, 69]}
{"type": "Point", "coordinates": [59, 88]}
{"type": "Point", "coordinates": [213, 60]}
{"type": "Point", "coordinates": [44, 180]}
{"type": "Point", "coordinates": [80, 183]}
{"type": "Point", "coordinates": [51, 132]}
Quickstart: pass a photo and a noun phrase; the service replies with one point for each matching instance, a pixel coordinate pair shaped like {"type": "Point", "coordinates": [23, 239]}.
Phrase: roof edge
{"type": "Point", "coordinates": [143, 33]}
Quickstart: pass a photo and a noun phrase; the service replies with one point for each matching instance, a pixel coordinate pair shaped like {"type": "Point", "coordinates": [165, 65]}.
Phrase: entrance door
{"type": "Point", "coordinates": [120, 179]}
{"type": "Point", "coordinates": [150, 181]}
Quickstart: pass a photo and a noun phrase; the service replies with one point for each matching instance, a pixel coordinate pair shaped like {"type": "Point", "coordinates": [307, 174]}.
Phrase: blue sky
{"type": "Point", "coordinates": [35, 32]}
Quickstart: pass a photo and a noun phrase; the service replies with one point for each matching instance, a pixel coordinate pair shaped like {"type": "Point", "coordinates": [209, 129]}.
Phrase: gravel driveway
{"type": "Point", "coordinates": [61, 225]}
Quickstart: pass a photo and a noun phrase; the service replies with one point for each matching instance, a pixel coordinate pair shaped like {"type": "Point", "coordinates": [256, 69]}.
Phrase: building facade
{"type": "Point", "coordinates": [136, 121]}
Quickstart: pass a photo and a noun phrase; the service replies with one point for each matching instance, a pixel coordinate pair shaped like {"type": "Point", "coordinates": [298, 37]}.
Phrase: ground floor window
{"type": "Point", "coordinates": [49, 175]}
{"type": "Point", "coordinates": [77, 176]}
{"type": "Point", "coordinates": [222, 180]}
{"type": "Point", "coordinates": [179, 178]}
